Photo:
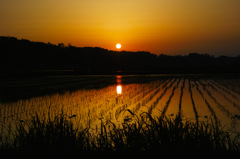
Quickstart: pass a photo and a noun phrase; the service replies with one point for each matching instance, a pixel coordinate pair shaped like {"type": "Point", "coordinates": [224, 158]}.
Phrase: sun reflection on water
{"type": "Point", "coordinates": [119, 89]}
{"type": "Point", "coordinates": [119, 86]}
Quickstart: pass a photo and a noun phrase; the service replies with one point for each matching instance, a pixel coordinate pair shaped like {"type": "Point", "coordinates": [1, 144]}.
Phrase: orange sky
{"type": "Point", "coordinates": [158, 26]}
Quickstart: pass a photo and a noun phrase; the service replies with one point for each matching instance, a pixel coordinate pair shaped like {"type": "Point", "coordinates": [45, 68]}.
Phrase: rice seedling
{"type": "Point", "coordinates": [193, 103]}
{"type": "Point", "coordinates": [208, 105]}
{"type": "Point", "coordinates": [180, 99]}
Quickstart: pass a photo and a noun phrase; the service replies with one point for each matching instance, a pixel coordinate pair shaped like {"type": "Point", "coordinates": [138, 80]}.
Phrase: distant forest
{"type": "Point", "coordinates": [24, 57]}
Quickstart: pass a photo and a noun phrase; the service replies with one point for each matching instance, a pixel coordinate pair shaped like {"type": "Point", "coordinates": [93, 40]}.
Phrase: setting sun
{"type": "Point", "coordinates": [118, 46]}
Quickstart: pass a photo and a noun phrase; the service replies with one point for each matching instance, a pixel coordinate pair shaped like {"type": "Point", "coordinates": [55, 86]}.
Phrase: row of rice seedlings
{"type": "Point", "coordinates": [40, 104]}
{"type": "Point", "coordinates": [234, 114]}
{"type": "Point", "coordinates": [159, 97]}
{"type": "Point", "coordinates": [151, 96]}
{"type": "Point", "coordinates": [193, 103]}
{"type": "Point", "coordinates": [222, 94]}
{"type": "Point", "coordinates": [125, 98]}
{"type": "Point", "coordinates": [148, 98]}
{"type": "Point", "coordinates": [86, 104]}
{"type": "Point", "coordinates": [130, 99]}
{"type": "Point", "coordinates": [230, 117]}
{"type": "Point", "coordinates": [104, 110]}
{"type": "Point", "coordinates": [103, 100]}
{"type": "Point", "coordinates": [143, 104]}
{"type": "Point", "coordinates": [92, 107]}
{"type": "Point", "coordinates": [235, 85]}
{"type": "Point", "coordinates": [136, 103]}
{"type": "Point", "coordinates": [122, 101]}
{"type": "Point", "coordinates": [154, 106]}
{"type": "Point", "coordinates": [11, 112]}
{"type": "Point", "coordinates": [220, 106]}
{"type": "Point", "coordinates": [180, 100]}
{"type": "Point", "coordinates": [165, 108]}
{"type": "Point", "coordinates": [208, 105]}
{"type": "Point", "coordinates": [151, 93]}
{"type": "Point", "coordinates": [228, 85]}
{"type": "Point", "coordinates": [71, 103]}
{"type": "Point", "coordinates": [117, 101]}
{"type": "Point", "coordinates": [227, 94]}
{"type": "Point", "coordinates": [201, 110]}
{"type": "Point", "coordinates": [233, 95]}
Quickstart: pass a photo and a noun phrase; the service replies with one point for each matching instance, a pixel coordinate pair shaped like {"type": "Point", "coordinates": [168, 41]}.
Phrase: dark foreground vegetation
{"type": "Point", "coordinates": [24, 57]}
{"type": "Point", "coordinates": [143, 133]}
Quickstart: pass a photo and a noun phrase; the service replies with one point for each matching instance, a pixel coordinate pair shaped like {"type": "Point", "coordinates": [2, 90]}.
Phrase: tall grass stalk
{"type": "Point", "coordinates": [143, 133]}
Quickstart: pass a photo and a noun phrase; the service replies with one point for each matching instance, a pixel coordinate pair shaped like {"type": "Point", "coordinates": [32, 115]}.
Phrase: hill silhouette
{"type": "Point", "coordinates": [24, 57]}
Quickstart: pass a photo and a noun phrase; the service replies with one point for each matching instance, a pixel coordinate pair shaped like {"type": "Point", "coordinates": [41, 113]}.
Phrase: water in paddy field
{"type": "Point", "coordinates": [88, 100]}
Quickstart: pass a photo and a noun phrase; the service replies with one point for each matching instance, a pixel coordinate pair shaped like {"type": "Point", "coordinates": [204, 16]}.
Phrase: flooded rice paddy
{"type": "Point", "coordinates": [89, 100]}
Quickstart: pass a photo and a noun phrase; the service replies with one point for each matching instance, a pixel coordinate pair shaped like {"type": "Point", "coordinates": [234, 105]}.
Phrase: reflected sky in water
{"type": "Point", "coordinates": [119, 89]}
{"type": "Point", "coordinates": [214, 99]}
{"type": "Point", "coordinates": [119, 86]}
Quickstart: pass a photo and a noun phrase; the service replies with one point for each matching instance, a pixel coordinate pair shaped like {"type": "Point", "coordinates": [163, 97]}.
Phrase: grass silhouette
{"type": "Point", "coordinates": [142, 133]}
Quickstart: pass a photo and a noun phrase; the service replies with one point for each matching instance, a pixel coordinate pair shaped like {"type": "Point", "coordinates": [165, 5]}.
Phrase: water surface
{"type": "Point", "coordinates": [88, 100]}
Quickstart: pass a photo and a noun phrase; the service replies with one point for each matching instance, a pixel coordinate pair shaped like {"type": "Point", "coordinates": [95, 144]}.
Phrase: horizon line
{"type": "Point", "coordinates": [70, 45]}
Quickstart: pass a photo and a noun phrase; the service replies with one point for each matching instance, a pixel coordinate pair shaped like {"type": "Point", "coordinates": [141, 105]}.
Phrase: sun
{"type": "Point", "coordinates": [118, 46]}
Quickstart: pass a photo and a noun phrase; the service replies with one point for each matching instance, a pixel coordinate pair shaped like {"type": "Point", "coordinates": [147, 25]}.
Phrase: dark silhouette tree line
{"type": "Point", "coordinates": [24, 56]}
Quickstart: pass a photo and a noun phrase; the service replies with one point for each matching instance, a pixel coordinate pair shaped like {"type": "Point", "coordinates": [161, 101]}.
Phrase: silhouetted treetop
{"type": "Point", "coordinates": [27, 56]}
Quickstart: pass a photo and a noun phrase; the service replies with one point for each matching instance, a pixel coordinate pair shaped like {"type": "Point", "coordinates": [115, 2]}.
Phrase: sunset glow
{"type": "Point", "coordinates": [116, 75]}
{"type": "Point", "coordinates": [169, 27]}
